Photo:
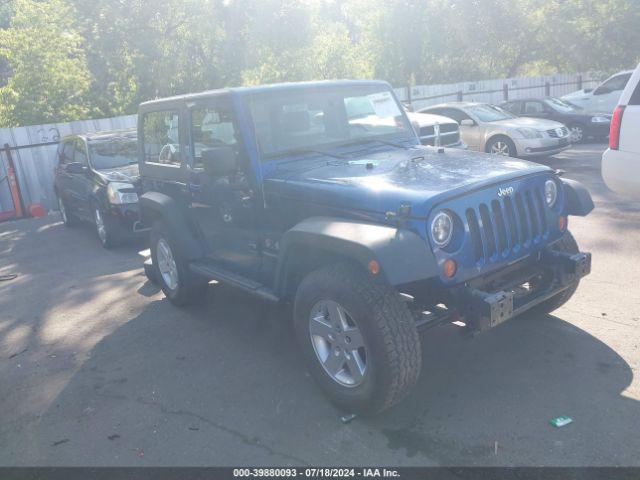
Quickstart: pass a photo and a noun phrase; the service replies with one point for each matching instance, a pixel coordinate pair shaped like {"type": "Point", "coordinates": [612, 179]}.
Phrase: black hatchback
{"type": "Point", "coordinates": [581, 124]}
{"type": "Point", "coordinates": [96, 180]}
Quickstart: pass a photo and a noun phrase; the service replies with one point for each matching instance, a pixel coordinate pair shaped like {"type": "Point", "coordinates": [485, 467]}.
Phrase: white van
{"type": "Point", "coordinates": [621, 161]}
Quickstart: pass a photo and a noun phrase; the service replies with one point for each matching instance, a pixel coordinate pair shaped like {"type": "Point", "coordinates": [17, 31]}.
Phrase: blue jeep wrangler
{"type": "Point", "coordinates": [320, 194]}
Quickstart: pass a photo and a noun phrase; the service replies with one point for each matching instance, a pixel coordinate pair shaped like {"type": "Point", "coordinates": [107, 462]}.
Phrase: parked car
{"type": "Point", "coordinates": [488, 128]}
{"type": "Point", "coordinates": [604, 97]}
{"type": "Point", "coordinates": [582, 124]}
{"type": "Point", "coordinates": [294, 200]}
{"type": "Point", "coordinates": [621, 161]}
{"type": "Point", "coordinates": [436, 130]}
{"type": "Point", "coordinates": [96, 180]}
{"type": "Point", "coordinates": [431, 129]}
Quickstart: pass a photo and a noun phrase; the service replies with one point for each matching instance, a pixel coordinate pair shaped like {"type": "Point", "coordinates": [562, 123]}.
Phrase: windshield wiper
{"type": "Point", "coordinates": [362, 140]}
{"type": "Point", "coordinates": [303, 151]}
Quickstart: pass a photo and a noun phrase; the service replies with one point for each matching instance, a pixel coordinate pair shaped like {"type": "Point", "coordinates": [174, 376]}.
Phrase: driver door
{"type": "Point", "coordinates": [223, 203]}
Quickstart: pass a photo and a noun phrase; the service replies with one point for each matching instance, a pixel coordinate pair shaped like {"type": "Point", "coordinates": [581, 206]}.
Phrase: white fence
{"type": "Point", "coordinates": [33, 150]}
{"type": "Point", "coordinates": [495, 91]}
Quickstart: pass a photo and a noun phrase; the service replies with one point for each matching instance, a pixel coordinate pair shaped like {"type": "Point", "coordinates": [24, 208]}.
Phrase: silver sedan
{"type": "Point", "coordinates": [487, 128]}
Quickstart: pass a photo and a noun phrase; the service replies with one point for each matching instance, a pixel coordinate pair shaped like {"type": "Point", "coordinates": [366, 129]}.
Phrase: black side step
{"type": "Point", "coordinates": [214, 272]}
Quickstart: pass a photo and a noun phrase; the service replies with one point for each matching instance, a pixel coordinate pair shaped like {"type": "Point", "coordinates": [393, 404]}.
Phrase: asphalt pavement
{"type": "Point", "coordinates": [97, 368]}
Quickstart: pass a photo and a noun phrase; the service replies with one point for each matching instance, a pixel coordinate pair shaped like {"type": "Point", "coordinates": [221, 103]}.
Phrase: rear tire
{"type": "Point", "coordinates": [68, 218]}
{"type": "Point", "coordinates": [172, 269]}
{"type": "Point", "coordinates": [567, 244]}
{"type": "Point", "coordinates": [387, 365]}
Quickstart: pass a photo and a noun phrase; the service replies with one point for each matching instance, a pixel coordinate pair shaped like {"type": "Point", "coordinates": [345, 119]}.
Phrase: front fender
{"type": "Point", "coordinates": [402, 255]}
{"type": "Point", "coordinates": [578, 199]}
{"type": "Point", "coordinates": [154, 206]}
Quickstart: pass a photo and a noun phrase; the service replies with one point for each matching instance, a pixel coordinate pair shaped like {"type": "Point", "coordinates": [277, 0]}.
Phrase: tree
{"type": "Point", "coordinates": [68, 59]}
{"type": "Point", "coordinates": [49, 75]}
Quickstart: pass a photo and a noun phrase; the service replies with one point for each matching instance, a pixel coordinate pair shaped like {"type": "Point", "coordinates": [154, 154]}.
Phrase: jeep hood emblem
{"type": "Point", "coordinates": [505, 192]}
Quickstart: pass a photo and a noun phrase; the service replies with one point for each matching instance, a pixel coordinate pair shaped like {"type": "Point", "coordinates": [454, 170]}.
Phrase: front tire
{"type": "Point", "coordinates": [503, 146]}
{"type": "Point", "coordinates": [68, 218]}
{"type": "Point", "coordinates": [172, 269]}
{"type": "Point", "coordinates": [105, 228]}
{"type": "Point", "coordinates": [358, 338]}
{"type": "Point", "coordinates": [577, 133]}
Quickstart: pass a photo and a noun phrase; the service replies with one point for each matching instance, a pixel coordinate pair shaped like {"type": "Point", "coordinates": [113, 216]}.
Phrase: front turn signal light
{"type": "Point", "coordinates": [449, 268]}
{"type": "Point", "coordinates": [562, 223]}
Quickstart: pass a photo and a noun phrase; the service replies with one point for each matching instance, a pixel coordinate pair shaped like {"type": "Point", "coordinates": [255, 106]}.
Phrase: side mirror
{"type": "Point", "coordinates": [467, 122]}
{"type": "Point", "coordinates": [588, 90]}
{"type": "Point", "coordinates": [75, 167]}
{"type": "Point", "coordinates": [219, 161]}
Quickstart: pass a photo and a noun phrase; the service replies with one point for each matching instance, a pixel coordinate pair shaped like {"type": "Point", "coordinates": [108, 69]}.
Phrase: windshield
{"type": "Point", "coordinates": [560, 105]}
{"type": "Point", "coordinates": [489, 113]}
{"type": "Point", "coordinates": [113, 152]}
{"type": "Point", "coordinates": [325, 117]}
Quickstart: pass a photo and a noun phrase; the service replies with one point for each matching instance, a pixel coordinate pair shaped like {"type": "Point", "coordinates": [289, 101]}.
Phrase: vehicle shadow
{"type": "Point", "coordinates": [223, 383]}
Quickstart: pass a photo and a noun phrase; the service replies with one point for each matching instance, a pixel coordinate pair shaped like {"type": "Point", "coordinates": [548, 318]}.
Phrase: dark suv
{"type": "Point", "coordinates": [286, 193]}
{"type": "Point", "coordinates": [97, 180]}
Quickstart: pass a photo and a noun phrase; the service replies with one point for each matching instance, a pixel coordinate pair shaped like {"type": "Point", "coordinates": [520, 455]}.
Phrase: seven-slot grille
{"type": "Point", "coordinates": [508, 223]}
{"type": "Point", "coordinates": [558, 132]}
{"type": "Point", "coordinates": [449, 134]}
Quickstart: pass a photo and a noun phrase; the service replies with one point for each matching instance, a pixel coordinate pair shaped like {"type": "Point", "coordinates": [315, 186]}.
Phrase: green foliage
{"type": "Point", "coordinates": [66, 59]}
{"type": "Point", "coordinates": [49, 77]}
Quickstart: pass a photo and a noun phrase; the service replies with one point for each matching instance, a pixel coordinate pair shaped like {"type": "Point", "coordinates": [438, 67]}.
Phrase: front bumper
{"type": "Point", "coordinates": [541, 146]}
{"type": "Point", "coordinates": [127, 218]}
{"type": "Point", "coordinates": [486, 309]}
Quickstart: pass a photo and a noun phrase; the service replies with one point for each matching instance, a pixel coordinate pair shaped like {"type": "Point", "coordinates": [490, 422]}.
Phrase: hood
{"type": "Point", "coordinates": [381, 182]}
{"type": "Point", "coordinates": [576, 94]}
{"type": "Point", "coordinates": [428, 119]}
{"type": "Point", "coordinates": [127, 173]}
{"type": "Point", "coordinates": [528, 122]}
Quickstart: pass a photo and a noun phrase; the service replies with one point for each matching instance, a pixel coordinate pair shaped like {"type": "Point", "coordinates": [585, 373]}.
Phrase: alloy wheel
{"type": "Point", "coordinates": [167, 264]}
{"type": "Point", "coordinates": [63, 211]}
{"type": "Point", "coordinates": [338, 343]}
{"type": "Point", "coordinates": [577, 134]}
{"type": "Point", "coordinates": [100, 226]}
{"type": "Point", "coordinates": [500, 148]}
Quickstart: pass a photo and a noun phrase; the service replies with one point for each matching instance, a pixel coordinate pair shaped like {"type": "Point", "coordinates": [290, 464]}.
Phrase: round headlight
{"type": "Point", "coordinates": [442, 229]}
{"type": "Point", "coordinates": [550, 192]}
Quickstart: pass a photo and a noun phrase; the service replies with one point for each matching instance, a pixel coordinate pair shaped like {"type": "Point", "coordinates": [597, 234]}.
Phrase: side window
{"type": "Point", "coordinates": [66, 152]}
{"type": "Point", "coordinates": [513, 107]}
{"type": "Point", "coordinates": [457, 115]}
{"type": "Point", "coordinates": [613, 84]}
{"type": "Point", "coordinates": [533, 107]}
{"type": "Point", "coordinates": [211, 127]}
{"type": "Point", "coordinates": [80, 154]}
{"type": "Point", "coordinates": [635, 96]}
{"type": "Point", "coordinates": [160, 138]}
